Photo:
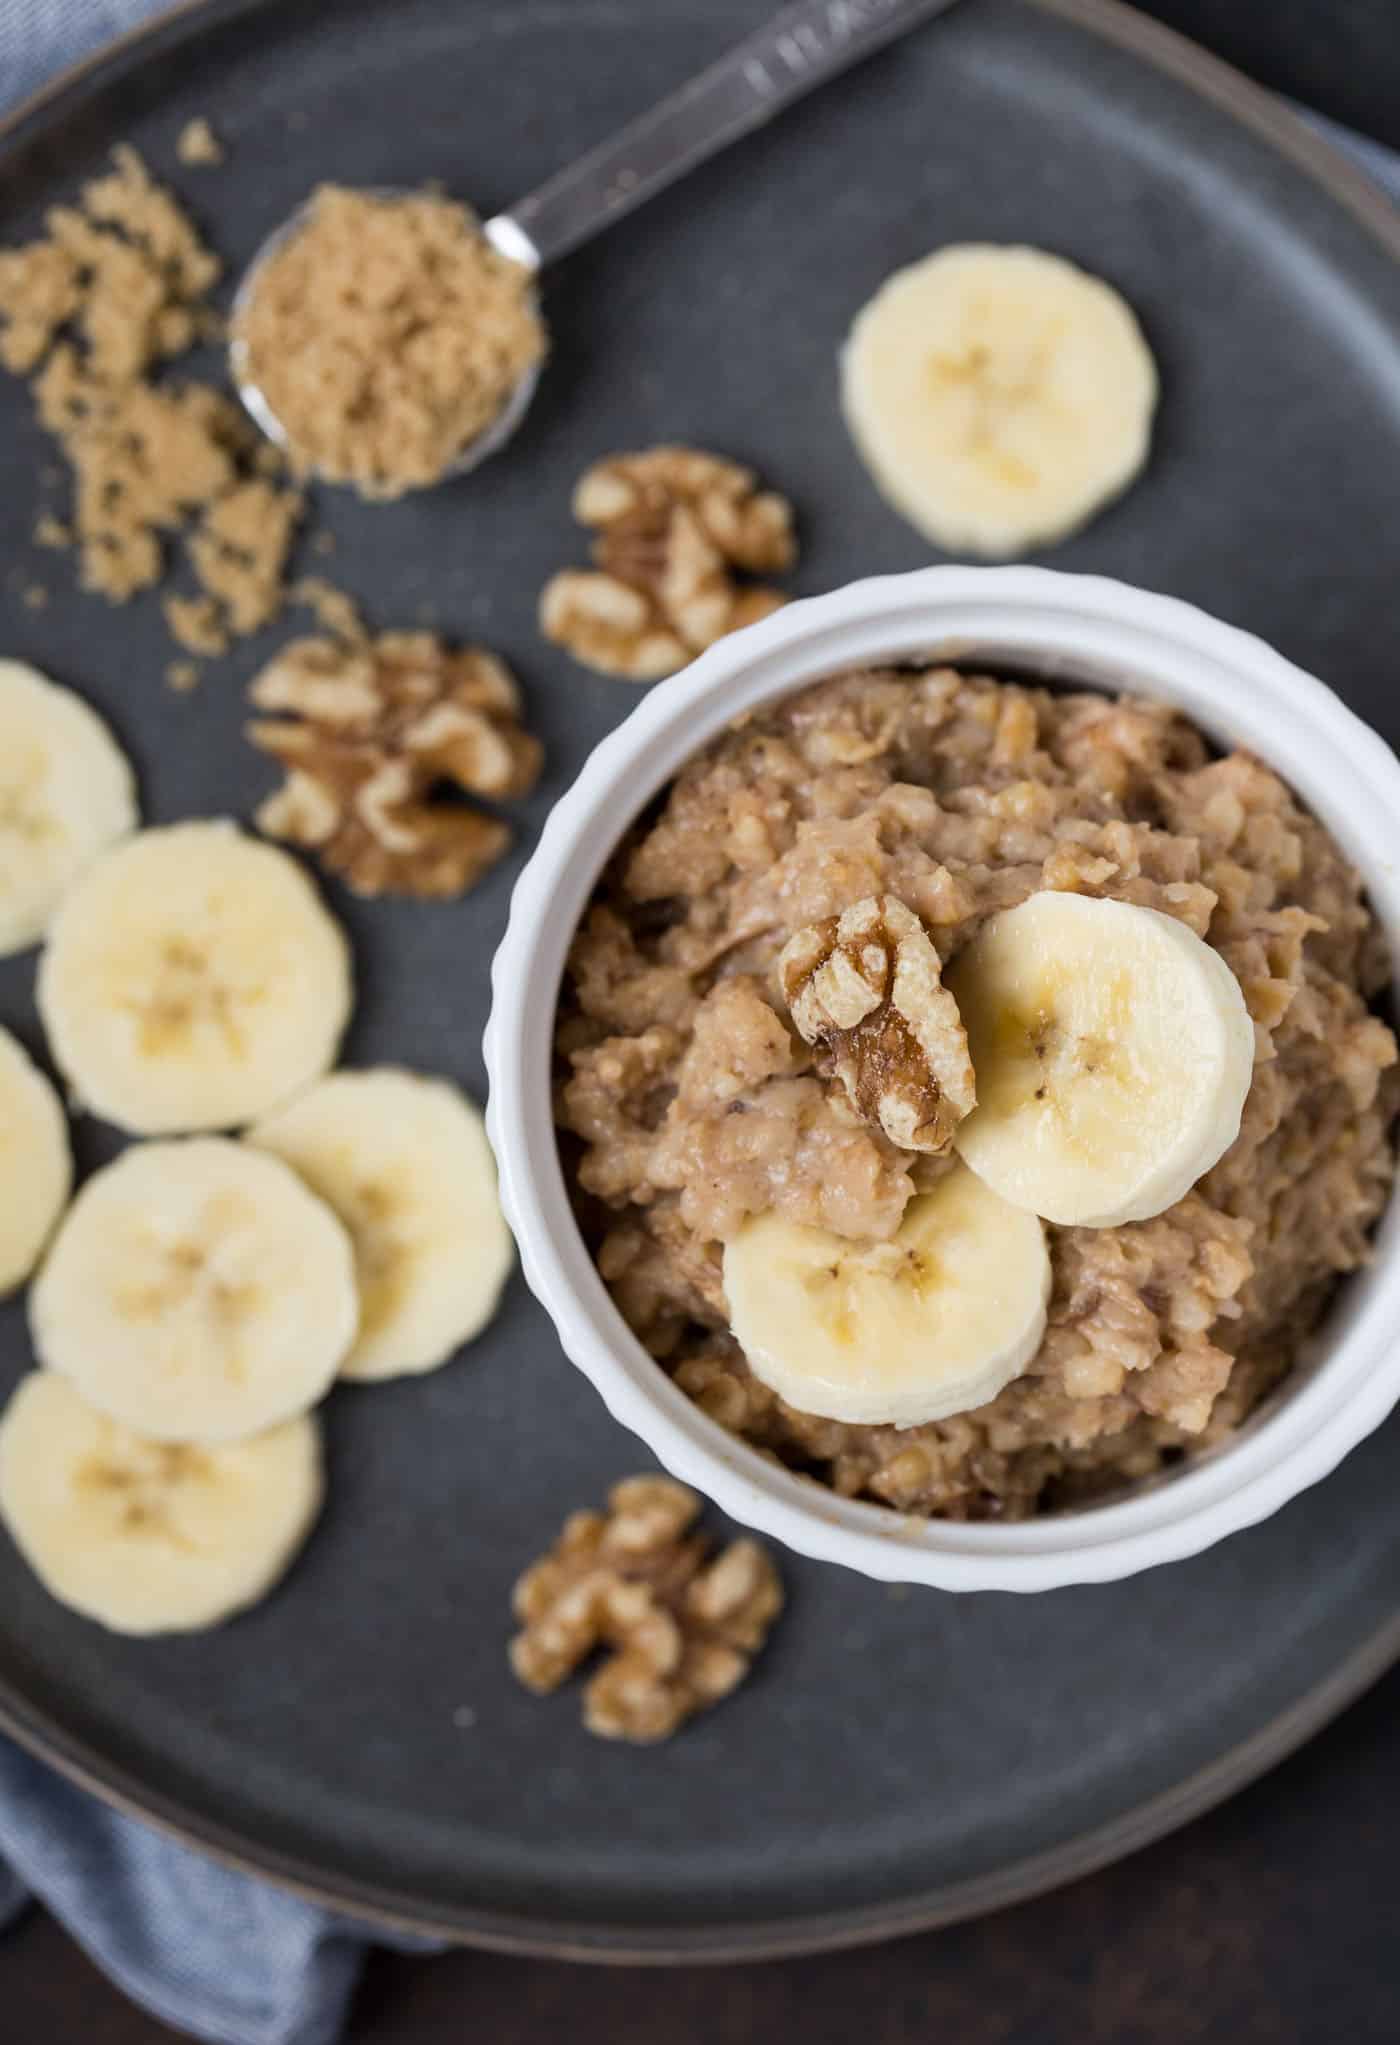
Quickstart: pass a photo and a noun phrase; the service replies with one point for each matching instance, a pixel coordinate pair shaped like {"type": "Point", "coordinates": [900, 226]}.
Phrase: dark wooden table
{"type": "Point", "coordinates": [1274, 1921]}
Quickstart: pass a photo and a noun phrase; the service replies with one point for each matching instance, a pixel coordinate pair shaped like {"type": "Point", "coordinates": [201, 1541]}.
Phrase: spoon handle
{"type": "Point", "coordinates": [799, 48]}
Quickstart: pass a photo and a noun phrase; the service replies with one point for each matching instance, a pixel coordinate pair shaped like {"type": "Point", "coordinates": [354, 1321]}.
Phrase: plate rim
{"type": "Point", "coordinates": [1274, 122]}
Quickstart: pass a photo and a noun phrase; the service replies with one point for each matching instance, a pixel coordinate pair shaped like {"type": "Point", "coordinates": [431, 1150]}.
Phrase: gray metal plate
{"type": "Point", "coordinates": [898, 1756]}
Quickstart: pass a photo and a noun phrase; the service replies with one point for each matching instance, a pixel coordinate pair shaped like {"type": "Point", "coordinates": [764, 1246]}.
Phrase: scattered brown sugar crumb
{"type": "Point", "coordinates": [144, 460]}
{"type": "Point", "coordinates": [196, 622]}
{"type": "Point", "coordinates": [38, 293]}
{"type": "Point", "coordinates": [369, 733]}
{"type": "Point", "coordinates": [335, 612]}
{"type": "Point", "coordinates": [139, 269]}
{"type": "Point", "coordinates": [127, 197]}
{"type": "Point", "coordinates": [35, 596]}
{"type": "Point", "coordinates": [240, 550]}
{"type": "Point", "coordinates": [182, 675]}
{"type": "Point", "coordinates": [198, 145]}
{"type": "Point", "coordinates": [675, 529]}
{"type": "Point", "coordinates": [386, 335]}
{"type": "Point", "coordinates": [323, 542]}
{"type": "Point", "coordinates": [681, 1626]}
{"type": "Point", "coordinates": [92, 313]}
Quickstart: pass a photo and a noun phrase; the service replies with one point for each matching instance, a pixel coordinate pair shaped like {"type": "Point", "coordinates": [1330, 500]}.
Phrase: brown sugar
{"type": "Point", "coordinates": [143, 459]}
{"type": "Point", "coordinates": [140, 271]}
{"type": "Point", "coordinates": [194, 621]}
{"type": "Point", "coordinates": [386, 335]}
{"type": "Point", "coordinates": [38, 292]}
{"type": "Point", "coordinates": [334, 611]}
{"type": "Point", "coordinates": [92, 312]}
{"type": "Point", "coordinates": [240, 550]}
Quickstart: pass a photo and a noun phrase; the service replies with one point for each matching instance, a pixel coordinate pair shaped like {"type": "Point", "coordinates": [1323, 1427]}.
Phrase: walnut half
{"type": "Point", "coordinates": [369, 734]}
{"type": "Point", "coordinates": [867, 988]}
{"type": "Point", "coordinates": [682, 1627]}
{"type": "Point", "coordinates": [675, 527]}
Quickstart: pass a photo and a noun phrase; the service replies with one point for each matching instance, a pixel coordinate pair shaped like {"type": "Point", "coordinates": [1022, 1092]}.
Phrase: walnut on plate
{"type": "Point", "coordinates": [370, 733]}
{"type": "Point", "coordinates": [681, 1625]}
{"type": "Point", "coordinates": [866, 988]}
{"type": "Point", "coordinates": [675, 527]}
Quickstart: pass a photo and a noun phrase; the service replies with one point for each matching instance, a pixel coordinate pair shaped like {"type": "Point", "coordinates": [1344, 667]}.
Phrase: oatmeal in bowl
{"type": "Point", "coordinates": [975, 1100]}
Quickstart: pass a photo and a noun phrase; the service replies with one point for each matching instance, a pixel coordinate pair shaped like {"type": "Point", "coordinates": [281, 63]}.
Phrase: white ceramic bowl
{"type": "Point", "coordinates": [1064, 628]}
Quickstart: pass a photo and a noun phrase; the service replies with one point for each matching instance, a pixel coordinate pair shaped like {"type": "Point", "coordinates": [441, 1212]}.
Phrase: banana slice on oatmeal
{"type": "Point", "coordinates": [935, 1321]}
{"type": "Point", "coordinates": [1113, 1052]}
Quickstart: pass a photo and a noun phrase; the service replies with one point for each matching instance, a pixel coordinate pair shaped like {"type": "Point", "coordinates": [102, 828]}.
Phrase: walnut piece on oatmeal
{"type": "Point", "coordinates": [682, 1625]}
{"type": "Point", "coordinates": [866, 988]}
{"type": "Point", "coordinates": [675, 529]}
{"type": "Point", "coordinates": [369, 734]}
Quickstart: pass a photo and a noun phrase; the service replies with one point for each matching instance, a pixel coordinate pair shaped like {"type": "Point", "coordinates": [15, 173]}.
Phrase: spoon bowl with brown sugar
{"type": "Point", "coordinates": [388, 339]}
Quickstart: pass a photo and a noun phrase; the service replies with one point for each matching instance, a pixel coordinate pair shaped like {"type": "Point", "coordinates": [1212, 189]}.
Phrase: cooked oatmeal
{"type": "Point", "coordinates": [691, 1102]}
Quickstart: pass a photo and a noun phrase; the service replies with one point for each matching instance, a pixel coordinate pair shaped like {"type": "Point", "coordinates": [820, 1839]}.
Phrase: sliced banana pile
{"type": "Point", "coordinates": [192, 980]}
{"type": "Point", "coordinates": [405, 1163]}
{"type": "Point", "coordinates": [201, 1294]}
{"type": "Point", "coordinates": [999, 396]}
{"type": "Point", "coordinates": [66, 792]}
{"type": "Point", "coordinates": [1113, 1052]}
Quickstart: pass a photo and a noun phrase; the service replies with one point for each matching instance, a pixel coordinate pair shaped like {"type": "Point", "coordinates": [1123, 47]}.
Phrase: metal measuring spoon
{"type": "Point", "coordinates": [800, 48]}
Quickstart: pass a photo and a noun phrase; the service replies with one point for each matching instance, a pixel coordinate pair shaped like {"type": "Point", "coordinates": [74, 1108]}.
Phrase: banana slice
{"type": "Point", "coordinates": [36, 1164]}
{"type": "Point", "coordinates": [193, 980]}
{"type": "Point", "coordinates": [1113, 1053]}
{"type": "Point", "coordinates": [197, 1291]}
{"type": "Point", "coordinates": [147, 1536]}
{"type": "Point", "coordinates": [998, 396]}
{"type": "Point", "coordinates": [935, 1321]}
{"type": "Point", "coordinates": [405, 1163]}
{"type": "Point", "coordinates": [66, 791]}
